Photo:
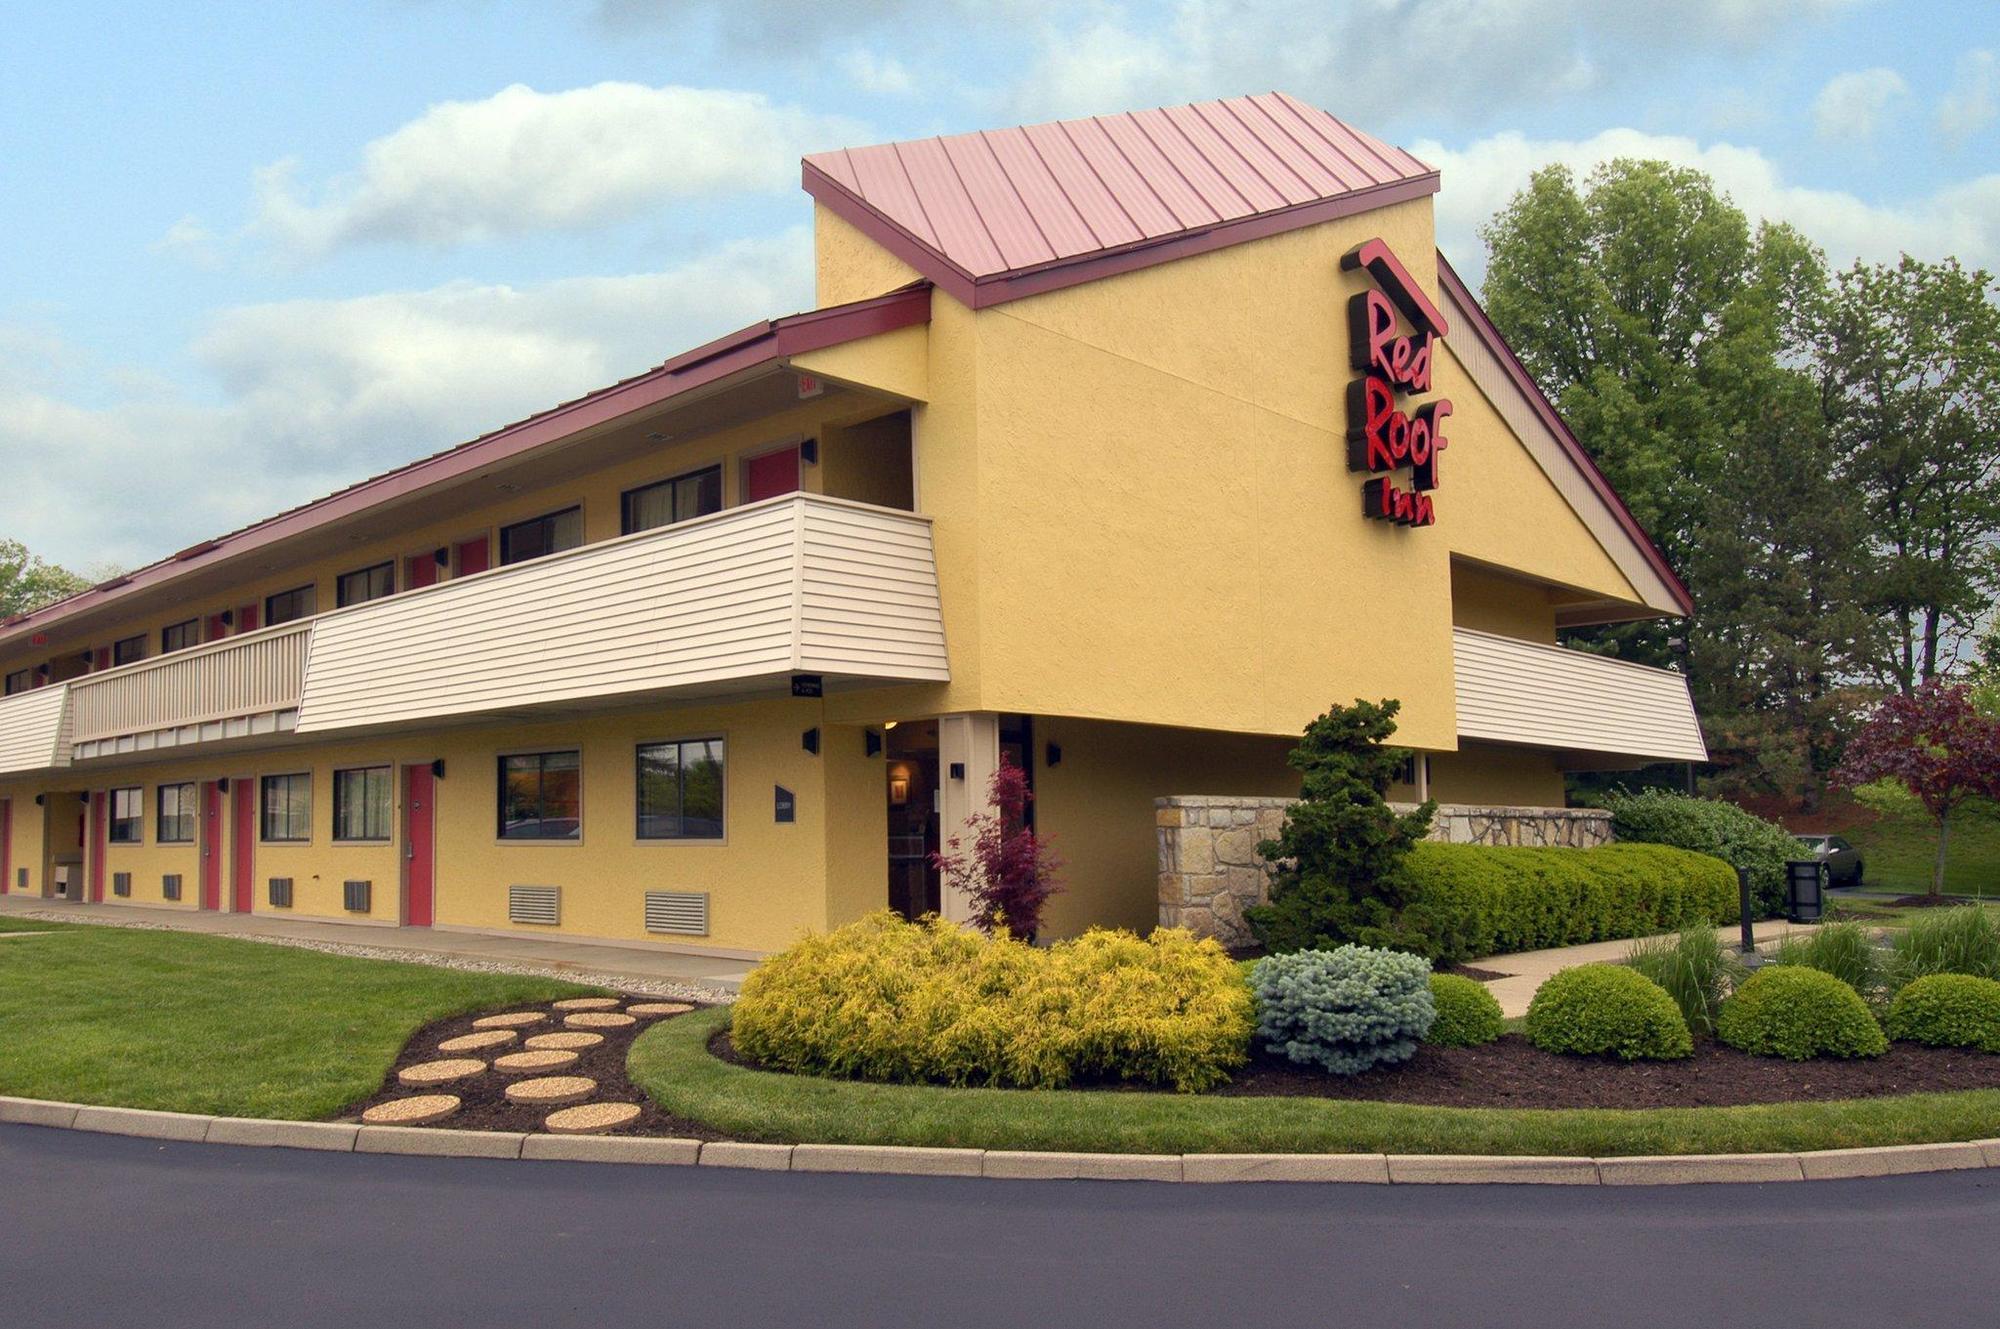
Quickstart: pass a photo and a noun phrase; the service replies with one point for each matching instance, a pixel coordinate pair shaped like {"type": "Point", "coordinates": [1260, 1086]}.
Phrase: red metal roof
{"type": "Point", "coordinates": [761, 343]}
{"type": "Point", "coordinates": [999, 214]}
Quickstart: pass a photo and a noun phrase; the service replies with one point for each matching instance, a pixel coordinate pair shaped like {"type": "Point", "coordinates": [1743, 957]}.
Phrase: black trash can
{"type": "Point", "coordinates": [1805, 890]}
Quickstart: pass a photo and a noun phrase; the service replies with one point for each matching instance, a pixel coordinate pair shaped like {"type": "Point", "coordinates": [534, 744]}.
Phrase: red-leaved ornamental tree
{"type": "Point", "coordinates": [1934, 743]}
{"type": "Point", "coordinates": [1006, 871]}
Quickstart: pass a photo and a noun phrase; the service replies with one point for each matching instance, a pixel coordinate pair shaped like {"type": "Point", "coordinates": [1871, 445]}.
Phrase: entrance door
{"type": "Point", "coordinates": [419, 845]}
{"type": "Point", "coordinates": [914, 825]}
{"type": "Point", "coordinates": [6, 845]}
{"type": "Point", "coordinates": [100, 842]}
{"type": "Point", "coordinates": [211, 846]}
{"type": "Point", "coordinates": [243, 828]}
{"type": "Point", "coordinates": [420, 570]}
{"type": "Point", "coordinates": [770, 474]}
{"type": "Point", "coordinates": [469, 557]}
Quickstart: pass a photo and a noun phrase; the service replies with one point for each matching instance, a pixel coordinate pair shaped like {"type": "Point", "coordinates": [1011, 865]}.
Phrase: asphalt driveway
{"type": "Point", "coordinates": [101, 1230]}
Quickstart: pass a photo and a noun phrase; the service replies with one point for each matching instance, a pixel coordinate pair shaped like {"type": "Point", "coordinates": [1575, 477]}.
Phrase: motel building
{"type": "Point", "coordinates": [1118, 448]}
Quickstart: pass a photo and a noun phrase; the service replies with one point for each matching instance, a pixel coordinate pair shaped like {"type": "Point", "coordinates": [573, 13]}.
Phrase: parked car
{"type": "Point", "coordinates": [1842, 860]}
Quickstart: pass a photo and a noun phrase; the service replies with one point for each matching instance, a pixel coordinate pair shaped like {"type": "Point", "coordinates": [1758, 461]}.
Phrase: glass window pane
{"type": "Point", "coordinates": [565, 530]}
{"type": "Point", "coordinates": [701, 789]}
{"type": "Point", "coordinates": [659, 791]}
{"type": "Point", "coordinates": [649, 508]}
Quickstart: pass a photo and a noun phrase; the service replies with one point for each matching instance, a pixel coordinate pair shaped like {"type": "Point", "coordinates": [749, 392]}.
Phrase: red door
{"type": "Point", "coordinates": [771, 474]}
{"type": "Point", "coordinates": [216, 629]}
{"type": "Point", "coordinates": [211, 846]}
{"type": "Point", "coordinates": [419, 845]}
{"type": "Point", "coordinates": [243, 822]}
{"type": "Point", "coordinates": [100, 839]}
{"type": "Point", "coordinates": [6, 845]}
{"type": "Point", "coordinates": [422, 571]}
{"type": "Point", "coordinates": [468, 557]}
{"type": "Point", "coordinates": [247, 618]}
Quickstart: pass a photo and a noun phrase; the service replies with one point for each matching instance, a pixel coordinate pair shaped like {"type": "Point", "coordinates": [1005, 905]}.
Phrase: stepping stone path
{"type": "Point", "coordinates": [440, 1072]}
{"type": "Point", "coordinates": [591, 1118]}
{"type": "Point", "coordinates": [530, 1063]}
{"type": "Point", "coordinates": [485, 1038]}
{"type": "Point", "coordinates": [552, 1090]}
{"type": "Point", "coordinates": [418, 1111]}
{"type": "Point", "coordinates": [575, 1041]}
{"type": "Point", "coordinates": [599, 1020]}
{"type": "Point", "coordinates": [587, 1004]}
{"type": "Point", "coordinates": [511, 1020]}
{"type": "Point", "coordinates": [659, 1008]}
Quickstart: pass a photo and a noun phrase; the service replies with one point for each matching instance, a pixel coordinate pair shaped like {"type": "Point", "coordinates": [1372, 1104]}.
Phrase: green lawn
{"type": "Point", "coordinates": [207, 1024]}
{"type": "Point", "coordinates": [1898, 853]}
{"type": "Point", "coordinates": [672, 1063]}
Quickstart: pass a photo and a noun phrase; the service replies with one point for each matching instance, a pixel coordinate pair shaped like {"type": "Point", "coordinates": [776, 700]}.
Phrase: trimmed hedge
{"type": "Point", "coordinates": [1595, 1009]}
{"type": "Point", "coordinates": [1346, 1010]}
{"type": "Point", "coordinates": [1473, 900]}
{"type": "Point", "coordinates": [1710, 826]}
{"type": "Point", "coordinates": [931, 1002]}
{"type": "Point", "coordinates": [1468, 1015]}
{"type": "Point", "coordinates": [1790, 1011]}
{"type": "Point", "coordinates": [1948, 1011]}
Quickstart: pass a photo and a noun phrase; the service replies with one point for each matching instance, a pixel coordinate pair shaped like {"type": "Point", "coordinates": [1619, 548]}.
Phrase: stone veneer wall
{"type": "Point", "coordinates": [1210, 872]}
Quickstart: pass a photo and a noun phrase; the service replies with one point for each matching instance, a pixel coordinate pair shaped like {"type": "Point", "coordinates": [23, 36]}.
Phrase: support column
{"type": "Point", "coordinates": [968, 743]}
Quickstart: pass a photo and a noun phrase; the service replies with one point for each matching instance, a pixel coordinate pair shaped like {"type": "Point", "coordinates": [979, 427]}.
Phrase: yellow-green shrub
{"type": "Point", "coordinates": [885, 999]}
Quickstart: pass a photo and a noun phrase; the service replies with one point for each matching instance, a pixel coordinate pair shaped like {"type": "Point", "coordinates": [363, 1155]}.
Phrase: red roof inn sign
{"type": "Point", "coordinates": [1382, 437]}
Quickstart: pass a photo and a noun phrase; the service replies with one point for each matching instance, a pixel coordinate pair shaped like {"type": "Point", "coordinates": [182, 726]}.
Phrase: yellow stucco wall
{"type": "Point", "coordinates": [1493, 774]}
{"type": "Point", "coordinates": [850, 266]}
{"type": "Point", "coordinates": [1491, 602]}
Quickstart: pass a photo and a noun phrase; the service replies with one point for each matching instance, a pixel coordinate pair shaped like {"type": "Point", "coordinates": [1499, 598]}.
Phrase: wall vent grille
{"type": "Point", "coordinates": [354, 896]}
{"type": "Point", "coordinates": [684, 913]}
{"type": "Point", "coordinates": [281, 893]}
{"type": "Point", "coordinates": [121, 883]}
{"type": "Point", "coordinates": [535, 904]}
{"type": "Point", "coordinates": [170, 886]}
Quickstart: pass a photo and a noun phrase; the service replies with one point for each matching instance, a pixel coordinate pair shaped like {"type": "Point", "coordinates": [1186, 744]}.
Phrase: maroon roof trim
{"type": "Point", "coordinates": [979, 292]}
{"type": "Point", "coordinates": [759, 344]}
{"type": "Point", "coordinates": [1483, 328]}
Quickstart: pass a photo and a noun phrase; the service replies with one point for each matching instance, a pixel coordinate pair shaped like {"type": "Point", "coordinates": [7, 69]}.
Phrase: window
{"type": "Point", "coordinates": [680, 790]}
{"type": "Point", "coordinates": [361, 804]}
{"type": "Point", "coordinates": [129, 651]}
{"type": "Point", "coordinates": [541, 796]}
{"type": "Point", "coordinates": [128, 814]}
{"type": "Point", "coordinates": [180, 636]}
{"type": "Point", "coordinates": [20, 681]}
{"type": "Point", "coordinates": [353, 588]}
{"type": "Point", "coordinates": [541, 536]}
{"type": "Point", "coordinates": [288, 807]}
{"type": "Point", "coordinates": [176, 821]}
{"type": "Point", "coordinates": [695, 494]}
{"type": "Point", "coordinates": [286, 606]}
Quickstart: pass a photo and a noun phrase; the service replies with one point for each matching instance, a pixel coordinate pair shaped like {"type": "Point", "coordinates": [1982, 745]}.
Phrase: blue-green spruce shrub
{"type": "Point", "coordinates": [1344, 1010]}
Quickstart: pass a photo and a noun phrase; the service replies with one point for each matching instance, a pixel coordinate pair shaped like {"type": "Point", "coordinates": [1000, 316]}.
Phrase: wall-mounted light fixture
{"type": "Point", "coordinates": [958, 770]}
{"type": "Point", "coordinates": [443, 556]}
{"type": "Point", "coordinates": [809, 740]}
{"type": "Point", "coordinates": [226, 617]}
{"type": "Point", "coordinates": [437, 769]}
{"type": "Point", "coordinates": [1052, 755]}
{"type": "Point", "coordinates": [222, 785]}
{"type": "Point", "coordinates": [809, 452]}
{"type": "Point", "coordinates": [871, 743]}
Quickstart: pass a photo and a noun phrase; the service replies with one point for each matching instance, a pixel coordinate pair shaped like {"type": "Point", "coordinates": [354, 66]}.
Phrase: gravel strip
{"type": "Point", "coordinates": [604, 978]}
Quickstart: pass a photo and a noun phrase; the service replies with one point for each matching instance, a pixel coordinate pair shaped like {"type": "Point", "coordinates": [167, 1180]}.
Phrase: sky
{"type": "Point", "coordinates": [251, 253]}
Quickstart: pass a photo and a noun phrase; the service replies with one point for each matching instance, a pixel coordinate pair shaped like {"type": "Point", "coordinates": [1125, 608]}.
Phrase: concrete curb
{"type": "Point", "coordinates": [902, 1160]}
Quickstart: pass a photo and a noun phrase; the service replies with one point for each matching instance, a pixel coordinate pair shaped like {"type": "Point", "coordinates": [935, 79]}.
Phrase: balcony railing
{"type": "Point", "coordinates": [729, 603]}
{"type": "Point", "coordinates": [1513, 691]}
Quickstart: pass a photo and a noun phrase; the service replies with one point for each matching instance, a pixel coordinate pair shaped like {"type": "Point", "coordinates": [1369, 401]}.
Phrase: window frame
{"type": "Point", "coordinates": [118, 650]}
{"type": "Point", "coordinates": [183, 788]}
{"type": "Point", "coordinates": [264, 784]}
{"type": "Point", "coordinates": [310, 590]}
{"type": "Point", "coordinates": [135, 819]}
{"type": "Point", "coordinates": [625, 523]}
{"type": "Point", "coordinates": [24, 678]}
{"type": "Point", "coordinates": [388, 834]}
{"type": "Point", "coordinates": [387, 567]}
{"type": "Point", "coordinates": [191, 626]}
{"type": "Point", "coordinates": [503, 561]}
{"type": "Point", "coordinates": [500, 795]}
{"type": "Point", "coordinates": [639, 835]}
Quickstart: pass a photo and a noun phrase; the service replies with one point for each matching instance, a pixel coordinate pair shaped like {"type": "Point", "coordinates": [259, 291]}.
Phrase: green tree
{"type": "Point", "coordinates": [1337, 864]}
{"type": "Point", "coordinates": [1913, 363]}
{"type": "Point", "coordinates": [28, 582]}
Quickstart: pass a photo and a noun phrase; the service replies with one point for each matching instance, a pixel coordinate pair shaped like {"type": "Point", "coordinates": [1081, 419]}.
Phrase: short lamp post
{"type": "Point", "coordinates": [1743, 909]}
{"type": "Point", "coordinates": [1804, 894]}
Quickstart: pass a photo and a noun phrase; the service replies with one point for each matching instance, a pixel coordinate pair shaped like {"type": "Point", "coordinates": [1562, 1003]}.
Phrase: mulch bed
{"type": "Point", "coordinates": [484, 1106]}
{"type": "Point", "coordinates": [1512, 1073]}
{"type": "Point", "coordinates": [1929, 901]}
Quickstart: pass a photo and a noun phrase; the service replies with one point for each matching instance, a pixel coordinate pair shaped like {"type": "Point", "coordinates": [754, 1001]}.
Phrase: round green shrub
{"type": "Point", "coordinates": [1345, 1010]}
{"type": "Point", "coordinates": [1467, 1014]}
{"type": "Point", "coordinates": [1948, 1011]}
{"type": "Point", "coordinates": [1790, 1011]}
{"type": "Point", "coordinates": [1598, 1008]}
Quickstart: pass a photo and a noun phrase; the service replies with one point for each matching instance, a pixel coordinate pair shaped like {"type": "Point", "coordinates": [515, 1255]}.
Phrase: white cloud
{"type": "Point", "coordinates": [1972, 103]}
{"type": "Point", "coordinates": [523, 161]}
{"type": "Point", "coordinates": [315, 394]}
{"type": "Point", "coordinates": [1851, 105]}
{"type": "Point", "coordinates": [881, 75]}
{"type": "Point", "coordinates": [189, 240]}
{"type": "Point", "coordinates": [1479, 178]}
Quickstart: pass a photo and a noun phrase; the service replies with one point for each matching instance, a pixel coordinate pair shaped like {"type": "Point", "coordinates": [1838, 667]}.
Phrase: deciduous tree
{"type": "Point", "coordinates": [1937, 744]}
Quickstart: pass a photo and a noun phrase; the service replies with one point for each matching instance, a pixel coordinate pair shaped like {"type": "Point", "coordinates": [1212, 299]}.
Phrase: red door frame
{"type": "Point", "coordinates": [209, 896]}
{"type": "Point", "coordinates": [419, 846]}
{"type": "Point", "coordinates": [243, 838]}
{"type": "Point", "coordinates": [100, 843]}
{"type": "Point", "coordinates": [765, 475]}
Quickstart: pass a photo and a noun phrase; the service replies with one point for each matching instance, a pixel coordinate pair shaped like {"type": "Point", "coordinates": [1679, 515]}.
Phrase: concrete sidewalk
{"type": "Point", "coordinates": [598, 962]}
{"type": "Point", "coordinates": [1528, 970]}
